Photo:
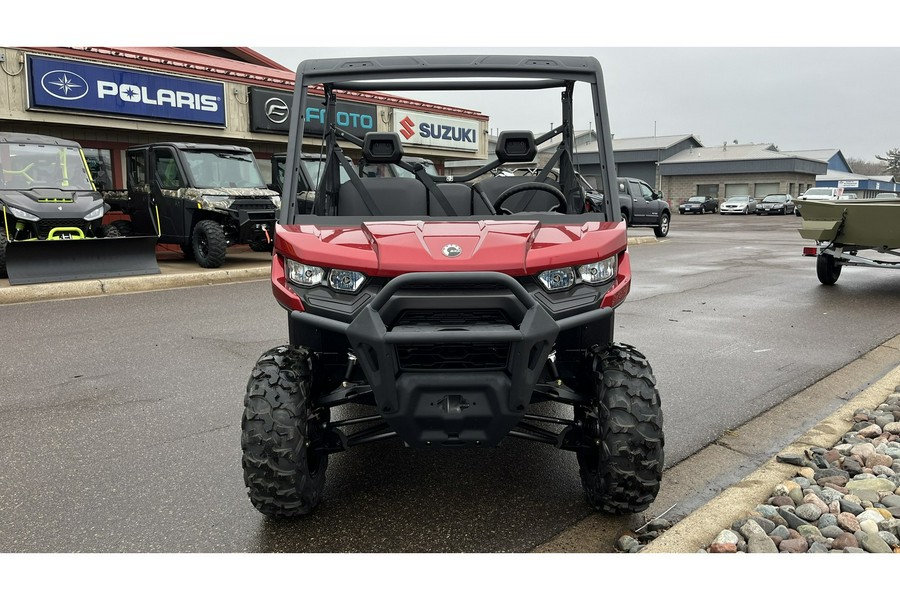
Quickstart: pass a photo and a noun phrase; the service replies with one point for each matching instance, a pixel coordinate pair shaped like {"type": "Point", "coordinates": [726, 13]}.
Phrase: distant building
{"type": "Point", "coordinates": [737, 170]}
{"type": "Point", "coordinates": [840, 174]}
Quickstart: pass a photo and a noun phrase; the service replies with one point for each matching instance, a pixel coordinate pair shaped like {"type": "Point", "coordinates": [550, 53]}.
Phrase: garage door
{"type": "Point", "coordinates": [764, 189]}
{"type": "Point", "coordinates": [737, 189]}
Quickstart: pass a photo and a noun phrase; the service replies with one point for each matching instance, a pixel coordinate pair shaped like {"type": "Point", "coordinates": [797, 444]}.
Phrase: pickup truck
{"type": "Point", "coordinates": [642, 206]}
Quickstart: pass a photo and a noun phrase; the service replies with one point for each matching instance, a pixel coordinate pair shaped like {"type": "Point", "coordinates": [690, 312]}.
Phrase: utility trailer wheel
{"type": "Point", "coordinates": [827, 269]}
{"type": "Point", "coordinates": [622, 466]}
{"type": "Point", "coordinates": [662, 229]}
{"type": "Point", "coordinates": [209, 244]}
{"type": "Point", "coordinates": [283, 476]}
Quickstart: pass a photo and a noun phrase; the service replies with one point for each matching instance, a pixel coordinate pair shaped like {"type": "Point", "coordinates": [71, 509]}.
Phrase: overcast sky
{"type": "Point", "coordinates": [797, 98]}
{"type": "Point", "coordinates": [801, 75]}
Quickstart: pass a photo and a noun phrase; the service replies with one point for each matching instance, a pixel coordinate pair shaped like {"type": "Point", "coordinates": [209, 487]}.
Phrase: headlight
{"type": "Point", "coordinates": [594, 273]}
{"type": "Point", "coordinates": [557, 279]}
{"type": "Point", "coordinates": [213, 203]}
{"type": "Point", "coordinates": [778, 206]}
{"type": "Point", "coordinates": [304, 275]}
{"type": "Point", "coordinates": [21, 214]}
{"type": "Point", "coordinates": [345, 281]}
{"type": "Point", "coordinates": [600, 271]}
{"type": "Point", "coordinates": [340, 280]}
{"type": "Point", "coordinates": [94, 214]}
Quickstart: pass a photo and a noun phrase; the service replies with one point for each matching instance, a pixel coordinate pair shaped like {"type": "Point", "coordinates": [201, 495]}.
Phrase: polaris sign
{"type": "Point", "coordinates": [80, 86]}
{"type": "Point", "coordinates": [423, 129]}
{"type": "Point", "coordinates": [270, 113]}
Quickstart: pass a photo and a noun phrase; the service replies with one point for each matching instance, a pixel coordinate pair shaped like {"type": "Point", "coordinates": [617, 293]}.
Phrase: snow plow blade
{"type": "Point", "coordinates": [44, 261]}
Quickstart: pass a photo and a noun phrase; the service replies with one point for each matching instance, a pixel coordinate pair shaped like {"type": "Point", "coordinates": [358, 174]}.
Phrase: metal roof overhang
{"type": "Point", "coordinates": [723, 167]}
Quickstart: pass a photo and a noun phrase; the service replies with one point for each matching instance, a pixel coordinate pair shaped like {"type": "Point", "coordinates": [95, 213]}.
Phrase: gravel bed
{"type": "Point", "coordinates": [842, 499]}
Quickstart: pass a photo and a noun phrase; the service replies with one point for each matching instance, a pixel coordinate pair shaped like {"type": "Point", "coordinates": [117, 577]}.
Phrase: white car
{"type": "Point", "coordinates": [822, 193]}
{"type": "Point", "coordinates": [738, 205]}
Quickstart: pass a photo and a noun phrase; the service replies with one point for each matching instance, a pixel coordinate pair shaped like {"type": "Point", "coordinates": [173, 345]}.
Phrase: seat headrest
{"type": "Point", "coordinates": [382, 147]}
{"type": "Point", "coordinates": [516, 146]}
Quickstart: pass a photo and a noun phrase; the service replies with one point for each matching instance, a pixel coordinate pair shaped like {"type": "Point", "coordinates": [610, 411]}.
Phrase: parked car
{"type": "Point", "coordinates": [775, 204]}
{"type": "Point", "coordinates": [699, 204]}
{"type": "Point", "coordinates": [738, 205]}
{"type": "Point", "coordinates": [886, 195]}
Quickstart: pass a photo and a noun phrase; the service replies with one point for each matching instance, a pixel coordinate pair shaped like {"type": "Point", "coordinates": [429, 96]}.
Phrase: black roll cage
{"type": "Point", "coordinates": [463, 72]}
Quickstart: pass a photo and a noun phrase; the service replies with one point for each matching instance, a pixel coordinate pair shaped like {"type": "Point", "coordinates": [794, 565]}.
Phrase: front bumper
{"type": "Point", "coordinates": [464, 382]}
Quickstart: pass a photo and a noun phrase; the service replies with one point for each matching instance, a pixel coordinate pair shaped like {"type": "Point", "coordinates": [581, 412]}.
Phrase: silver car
{"type": "Point", "coordinates": [738, 205]}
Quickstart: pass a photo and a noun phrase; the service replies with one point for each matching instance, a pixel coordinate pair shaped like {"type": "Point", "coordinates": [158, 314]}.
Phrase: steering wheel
{"type": "Point", "coordinates": [561, 207]}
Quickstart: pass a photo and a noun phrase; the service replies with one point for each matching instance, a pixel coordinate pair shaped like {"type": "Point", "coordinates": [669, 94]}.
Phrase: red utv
{"type": "Point", "coordinates": [450, 307]}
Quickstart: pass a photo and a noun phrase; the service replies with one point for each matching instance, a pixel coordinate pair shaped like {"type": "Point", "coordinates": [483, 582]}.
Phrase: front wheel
{"type": "Point", "coordinates": [3, 242]}
{"type": "Point", "coordinates": [827, 269]}
{"type": "Point", "coordinates": [621, 459]}
{"type": "Point", "coordinates": [702, 210]}
{"type": "Point", "coordinates": [662, 229]}
{"type": "Point", "coordinates": [209, 244]}
{"type": "Point", "coordinates": [283, 471]}
{"type": "Point", "coordinates": [109, 231]}
{"type": "Point", "coordinates": [262, 246]}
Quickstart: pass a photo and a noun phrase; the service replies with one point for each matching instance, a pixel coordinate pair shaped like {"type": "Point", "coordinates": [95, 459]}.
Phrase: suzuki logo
{"type": "Point", "coordinates": [451, 250]}
{"type": "Point", "coordinates": [64, 85]}
{"type": "Point", "coordinates": [277, 110]}
{"type": "Point", "coordinates": [408, 130]}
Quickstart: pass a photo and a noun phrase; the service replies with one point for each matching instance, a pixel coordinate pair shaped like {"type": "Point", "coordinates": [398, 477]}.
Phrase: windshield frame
{"type": "Point", "coordinates": [29, 166]}
{"type": "Point", "coordinates": [215, 159]}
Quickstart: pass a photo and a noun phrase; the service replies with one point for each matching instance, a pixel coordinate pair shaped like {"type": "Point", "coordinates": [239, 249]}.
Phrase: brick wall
{"type": "Point", "coordinates": [678, 188]}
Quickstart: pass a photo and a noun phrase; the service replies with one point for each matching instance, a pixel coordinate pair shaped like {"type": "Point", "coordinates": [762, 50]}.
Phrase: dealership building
{"type": "Point", "coordinates": [110, 98]}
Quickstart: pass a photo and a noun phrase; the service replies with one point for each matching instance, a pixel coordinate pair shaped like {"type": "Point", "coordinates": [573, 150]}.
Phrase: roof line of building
{"type": "Point", "coordinates": [177, 61]}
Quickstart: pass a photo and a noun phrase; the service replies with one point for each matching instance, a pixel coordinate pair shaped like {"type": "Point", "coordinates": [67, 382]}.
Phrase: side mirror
{"type": "Point", "coordinates": [656, 195]}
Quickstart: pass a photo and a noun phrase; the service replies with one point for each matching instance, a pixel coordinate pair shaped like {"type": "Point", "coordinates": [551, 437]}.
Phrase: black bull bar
{"type": "Point", "coordinates": [452, 407]}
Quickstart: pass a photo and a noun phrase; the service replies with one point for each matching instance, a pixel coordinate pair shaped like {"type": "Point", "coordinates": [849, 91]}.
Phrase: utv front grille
{"type": "Point", "coordinates": [452, 318]}
{"type": "Point", "coordinates": [255, 204]}
{"type": "Point", "coordinates": [45, 225]}
{"type": "Point", "coordinates": [453, 357]}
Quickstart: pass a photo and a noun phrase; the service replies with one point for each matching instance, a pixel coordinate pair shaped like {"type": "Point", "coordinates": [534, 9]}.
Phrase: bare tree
{"type": "Point", "coordinates": [892, 158]}
{"type": "Point", "coordinates": [866, 167]}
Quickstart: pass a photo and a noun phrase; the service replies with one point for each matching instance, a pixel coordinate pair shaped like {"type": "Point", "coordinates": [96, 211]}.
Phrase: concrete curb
{"type": "Point", "coordinates": [65, 290]}
{"type": "Point", "coordinates": [699, 529]}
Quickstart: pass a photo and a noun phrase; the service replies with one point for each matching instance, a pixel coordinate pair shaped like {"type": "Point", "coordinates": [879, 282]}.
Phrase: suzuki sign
{"type": "Point", "coordinates": [423, 129]}
{"type": "Point", "coordinates": [87, 87]}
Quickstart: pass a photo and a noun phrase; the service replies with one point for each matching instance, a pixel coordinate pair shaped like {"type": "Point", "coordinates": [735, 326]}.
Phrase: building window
{"type": "Point", "coordinates": [791, 189]}
{"type": "Point", "coordinates": [737, 189]}
{"type": "Point", "coordinates": [708, 189]}
{"type": "Point", "coordinates": [764, 189]}
{"type": "Point", "coordinates": [99, 163]}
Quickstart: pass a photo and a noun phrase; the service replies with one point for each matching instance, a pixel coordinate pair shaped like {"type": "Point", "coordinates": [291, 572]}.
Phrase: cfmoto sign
{"type": "Point", "coordinates": [277, 110]}
{"type": "Point", "coordinates": [270, 113]}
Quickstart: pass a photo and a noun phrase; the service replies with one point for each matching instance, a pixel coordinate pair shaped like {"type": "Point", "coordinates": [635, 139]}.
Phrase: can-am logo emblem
{"type": "Point", "coordinates": [451, 250]}
{"type": "Point", "coordinates": [408, 128]}
{"type": "Point", "coordinates": [277, 110]}
{"type": "Point", "coordinates": [64, 85]}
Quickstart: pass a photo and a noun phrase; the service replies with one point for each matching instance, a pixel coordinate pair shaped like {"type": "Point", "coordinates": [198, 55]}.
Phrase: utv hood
{"type": "Point", "coordinates": [391, 248]}
{"type": "Point", "coordinates": [50, 203]}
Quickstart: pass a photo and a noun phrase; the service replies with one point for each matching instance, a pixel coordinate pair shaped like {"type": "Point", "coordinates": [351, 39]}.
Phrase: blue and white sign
{"type": "Point", "coordinates": [80, 86]}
